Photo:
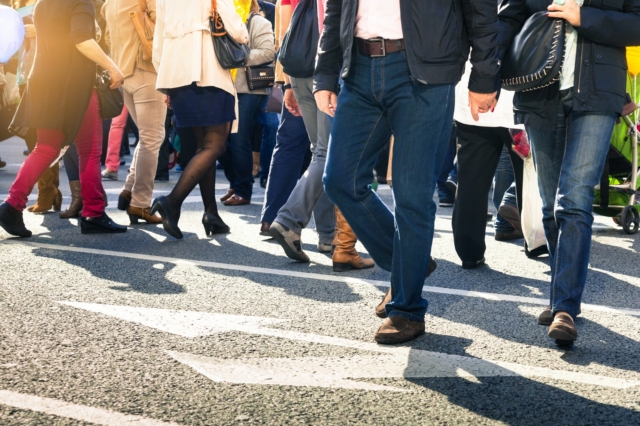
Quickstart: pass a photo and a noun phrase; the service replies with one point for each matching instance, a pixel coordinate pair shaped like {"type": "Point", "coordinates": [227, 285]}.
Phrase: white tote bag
{"type": "Point", "coordinates": [532, 208]}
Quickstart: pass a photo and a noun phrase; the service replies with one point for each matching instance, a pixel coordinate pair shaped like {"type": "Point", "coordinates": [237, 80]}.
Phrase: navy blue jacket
{"type": "Point", "coordinates": [437, 35]}
{"type": "Point", "coordinates": [606, 27]}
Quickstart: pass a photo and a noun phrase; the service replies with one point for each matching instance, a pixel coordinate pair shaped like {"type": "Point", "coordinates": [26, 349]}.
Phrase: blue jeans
{"type": "Point", "coordinates": [269, 122]}
{"type": "Point", "coordinates": [504, 190]}
{"type": "Point", "coordinates": [292, 144]}
{"type": "Point", "coordinates": [570, 161]}
{"type": "Point", "coordinates": [448, 167]}
{"type": "Point", "coordinates": [238, 159]}
{"type": "Point", "coordinates": [379, 99]}
{"type": "Point", "coordinates": [71, 163]}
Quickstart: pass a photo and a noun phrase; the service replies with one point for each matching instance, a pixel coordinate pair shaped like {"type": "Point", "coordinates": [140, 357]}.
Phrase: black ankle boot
{"type": "Point", "coordinates": [213, 224]}
{"type": "Point", "coordinates": [11, 221]}
{"type": "Point", "coordinates": [170, 225]}
{"type": "Point", "coordinates": [100, 225]}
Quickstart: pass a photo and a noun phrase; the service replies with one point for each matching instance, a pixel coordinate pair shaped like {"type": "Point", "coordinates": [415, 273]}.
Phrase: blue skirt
{"type": "Point", "coordinates": [195, 106]}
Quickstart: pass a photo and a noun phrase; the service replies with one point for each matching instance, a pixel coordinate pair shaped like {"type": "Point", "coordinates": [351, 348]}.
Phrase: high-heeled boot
{"type": "Point", "coordinates": [345, 256]}
{"type": "Point", "coordinates": [75, 207]}
{"type": "Point", "coordinates": [49, 196]}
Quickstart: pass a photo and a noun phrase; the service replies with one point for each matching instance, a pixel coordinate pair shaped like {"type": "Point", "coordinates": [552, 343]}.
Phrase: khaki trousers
{"type": "Point", "coordinates": [148, 110]}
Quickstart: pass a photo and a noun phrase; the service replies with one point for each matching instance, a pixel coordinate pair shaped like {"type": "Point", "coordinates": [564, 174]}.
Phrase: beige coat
{"type": "Point", "coordinates": [182, 47]}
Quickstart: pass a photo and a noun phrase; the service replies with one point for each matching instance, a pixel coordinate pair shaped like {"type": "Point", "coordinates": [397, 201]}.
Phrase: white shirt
{"type": "Point", "coordinates": [379, 18]}
{"type": "Point", "coordinates": [502, 116]}
{"type": "Point", "coordinates": [571, 46]}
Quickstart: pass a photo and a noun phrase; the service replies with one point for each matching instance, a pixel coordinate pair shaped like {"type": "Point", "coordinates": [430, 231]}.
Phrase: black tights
{"type": "Point", "coordinates": [201, 170]}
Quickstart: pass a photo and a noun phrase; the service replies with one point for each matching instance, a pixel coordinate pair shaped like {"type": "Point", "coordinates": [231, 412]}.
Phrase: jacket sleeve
{"type": "Point", "coordinates": [329, 61]}
{"type": "Point", "coordinates": [262, 44]}
{"type": "Point", "coordinates": [481, 21]}
{"type": "Point", "coordinates": [612, 27]}
{"type": "Point", "coordinates": [232, 21]}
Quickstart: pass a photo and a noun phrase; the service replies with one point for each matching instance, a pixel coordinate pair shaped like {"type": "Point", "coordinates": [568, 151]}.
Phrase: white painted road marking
{"type": "Point", "coordinates": [333, 278]}
{"type": "Point", "coordinates": [83, 413]}
{"type": "Point", "coordinates": [396, 362]}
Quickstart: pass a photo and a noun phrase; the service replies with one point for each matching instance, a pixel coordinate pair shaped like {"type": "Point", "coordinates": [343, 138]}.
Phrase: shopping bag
{"type": "Point", "coordinates": [532, 208]}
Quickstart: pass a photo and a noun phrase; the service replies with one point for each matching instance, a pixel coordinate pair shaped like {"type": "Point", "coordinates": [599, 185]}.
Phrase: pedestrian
{"type": "Point", "coordinates": [63, 112]}
{"type": "Point", "coordinates": [202, 95]}
{"type": "Point", "coordinates": [238, 160]}
{"type": "Point", "coordinates": [400, 62]}
{"type": "Point", "coordinates": [569, 124]}
{"type": "Point", "coordinates": [143, 102]}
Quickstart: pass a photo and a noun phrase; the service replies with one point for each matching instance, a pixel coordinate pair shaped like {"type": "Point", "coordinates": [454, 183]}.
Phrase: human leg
{"type": "Point", "coordinates": [479, 150]}
{"type": "Point", "coordinates": [112, 160]}
{"type": "Point", "coordinates": [269, 121]}
{"type": "Point", "coordinates": [445, 195]}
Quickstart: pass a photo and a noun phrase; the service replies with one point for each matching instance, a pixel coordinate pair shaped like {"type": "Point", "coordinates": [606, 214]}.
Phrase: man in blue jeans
{"type": "Point", "coordinates": [400, 61]}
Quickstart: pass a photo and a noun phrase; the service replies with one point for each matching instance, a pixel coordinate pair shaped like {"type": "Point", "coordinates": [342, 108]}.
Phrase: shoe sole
{"type": "Point", "coordinates": [291, 254]}
{"type": "Point", "coordinates": [509, 216]}
{"type": "Point", "coordinates": [387, 341]}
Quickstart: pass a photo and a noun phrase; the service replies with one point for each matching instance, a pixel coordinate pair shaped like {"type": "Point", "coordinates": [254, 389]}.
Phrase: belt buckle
{"type": "Point", "coordinates": [384, 47]}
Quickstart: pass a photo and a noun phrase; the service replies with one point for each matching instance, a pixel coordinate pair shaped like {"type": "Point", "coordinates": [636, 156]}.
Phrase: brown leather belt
{"type": "Point", "coordinates": [378, 47]}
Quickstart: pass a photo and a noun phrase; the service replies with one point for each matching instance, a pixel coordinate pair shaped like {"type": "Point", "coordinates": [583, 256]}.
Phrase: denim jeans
{"type": "Point", "coordinates": [379, 99]}
{"type": "Point", "coordinates": [238, 159]}
{"type": "Point", "coordinates": [71, 163]}
{"type": "Point", "coordinates": [504, 190]}
{"type": "Point", "coordinates": [448, 167]}
{"type": "Point", "coordinates": [570, 160]}
{"type": "Point", "coordinates": [292, 144]}
{"type": "Point", "coordinates": [308, 196]}
{"type": "Point", "coordinates": [269, 122]}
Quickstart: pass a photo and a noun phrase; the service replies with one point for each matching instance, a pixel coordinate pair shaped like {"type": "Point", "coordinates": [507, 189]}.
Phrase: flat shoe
{"type": "Point", "coordinates": [228, 195]}
{"type": "Point", "coordinates": [563, 329]}
{"type": "Point", "coordinates": [398, 330]}
{"type": "Point", "coordinates": [236, 200]}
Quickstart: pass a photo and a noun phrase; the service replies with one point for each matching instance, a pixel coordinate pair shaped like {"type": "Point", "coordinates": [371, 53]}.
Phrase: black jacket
{"type": "Point", "coordinates": [606, 27]}
{"type": "Point", "coordinates": [437, 35]}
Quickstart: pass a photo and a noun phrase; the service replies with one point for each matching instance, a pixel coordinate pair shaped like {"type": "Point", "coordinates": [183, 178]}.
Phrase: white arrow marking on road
{"type": "Point", "coordinates": [396, 362]}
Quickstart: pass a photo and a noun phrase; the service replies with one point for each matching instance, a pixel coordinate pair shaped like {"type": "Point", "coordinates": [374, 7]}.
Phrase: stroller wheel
{"type": "Point", "coordinates": [630, 220]}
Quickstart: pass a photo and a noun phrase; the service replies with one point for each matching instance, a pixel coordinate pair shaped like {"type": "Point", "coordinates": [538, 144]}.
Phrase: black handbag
{"type": "Point", "coordinates": [299, 47]}
{"type": "Point", "coordinates": [111, 100]}
{"type": "Point", "coordinates": [259, 76]}
{"type": "Point", "coordinates": [535, 58]}
{"type": "Point", "coordinates": [229, 52]}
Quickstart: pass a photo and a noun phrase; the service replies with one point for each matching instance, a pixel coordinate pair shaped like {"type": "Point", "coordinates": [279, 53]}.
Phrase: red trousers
{"type": "Point", "coordinates": [118, 125]}
{"type": "Point", "coordinates": [47, 150]}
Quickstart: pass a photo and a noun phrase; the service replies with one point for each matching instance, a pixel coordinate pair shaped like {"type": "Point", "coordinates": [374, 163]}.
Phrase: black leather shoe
{"type": "Point", "coordinates": [162, 178]}
{"type": "Point", "coordinates": [100, 225]}
{"type": "Point", "coordinates": [213, 224]}
{"type": "Point", "coordinates": [472, 264]}
{"type": "Point", "coordinates": [170, 225]}
{"type": "Point", "coordinates": [11, 221]}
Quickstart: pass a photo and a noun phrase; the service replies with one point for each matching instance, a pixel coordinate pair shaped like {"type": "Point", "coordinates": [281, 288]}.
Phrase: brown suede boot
{"type": "Point", "coordinates": [49, 196]}
{"type": "Point", "coordinates": [345, 256]}
{"type": "Point", "coordinates": [75, 207]}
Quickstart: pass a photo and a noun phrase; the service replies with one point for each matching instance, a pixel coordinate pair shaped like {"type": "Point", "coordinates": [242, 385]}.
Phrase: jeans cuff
{"type": "Point", "coordinates": [566, 307]}
{"type": "Point", "coordinates": [395, 313]}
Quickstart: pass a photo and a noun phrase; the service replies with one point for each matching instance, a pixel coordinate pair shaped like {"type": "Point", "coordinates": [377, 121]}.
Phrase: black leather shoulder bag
{"type": "Point", "coordinates": [111, 100]}
{"type": "Point", "coordinates": [536, 56]}
{"type": "Point", "coordinates": [230, 53]}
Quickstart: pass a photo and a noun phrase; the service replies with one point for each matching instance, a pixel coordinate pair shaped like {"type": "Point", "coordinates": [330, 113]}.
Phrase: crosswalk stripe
{"type": "Point", "coordinates": [497, 297]}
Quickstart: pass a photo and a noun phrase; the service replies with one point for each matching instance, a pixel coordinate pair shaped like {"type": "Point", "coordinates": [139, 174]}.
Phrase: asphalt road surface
{"type": "Point", "coordinates": [139, 328]}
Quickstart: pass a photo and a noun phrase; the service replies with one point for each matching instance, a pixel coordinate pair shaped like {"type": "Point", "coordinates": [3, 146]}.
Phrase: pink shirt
{"type": "Point", "coordinates": [379, 18]}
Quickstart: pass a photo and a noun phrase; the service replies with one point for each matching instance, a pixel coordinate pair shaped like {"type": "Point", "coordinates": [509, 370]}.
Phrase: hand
{"type": "Point", "coordinates": [569, 11]}
{"type": "Point", "coordinates": [116, 78]}
{"type": "Point", "coordinates": [291, 103]}
{"type": "Point", "coordinates": [29, 31]}
{"type": "Point", "coordinates": [167, 100]}
{"type": "Point", "coordinates": [481, 103]}
{"type": "Point", "coordinates": [327, 102]}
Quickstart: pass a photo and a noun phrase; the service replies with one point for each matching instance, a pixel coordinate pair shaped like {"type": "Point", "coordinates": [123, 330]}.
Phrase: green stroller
{"type": "Point", "coordinates": [617, 193]}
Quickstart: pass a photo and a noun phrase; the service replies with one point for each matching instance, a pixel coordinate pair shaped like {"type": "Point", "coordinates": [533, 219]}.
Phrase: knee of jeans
{"type": "Point", "coordinates": [333, 186]}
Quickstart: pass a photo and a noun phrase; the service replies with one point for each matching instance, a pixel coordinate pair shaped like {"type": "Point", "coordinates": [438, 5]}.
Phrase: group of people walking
{"type": "Point", "coordinates": [383, 68]}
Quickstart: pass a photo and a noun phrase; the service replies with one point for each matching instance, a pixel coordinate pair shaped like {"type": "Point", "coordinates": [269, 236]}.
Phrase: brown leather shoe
{"type": "Point", "coordinates": [380, 309]}
{"type": "Point", "coordinates": [545, 317]}
{"type": "Point", "coordinates": [75, 207]}
{"type": "Point", "coordinates": [228, 195]}
{"type": "Point", "coordinates": [236, 200]}
{"type": "Point", "coordinates": [345, 256]}
{"type": "Point", "coordinates": [138, 213]}
{"type": "Point", "coordinates": [264, 229]}
{"type": "Point", "coordinates": [563, 329]}
{"type": "Point", "coordinates": [398, 330]}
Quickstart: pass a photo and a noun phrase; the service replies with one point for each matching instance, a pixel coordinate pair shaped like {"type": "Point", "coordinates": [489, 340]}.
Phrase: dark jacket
{"type": "Point", "coordinates": [437, 35]}
{"type": "Point", "coordinates": [607, 26]}
{"type": "Point", "coordinates": [62, 79]}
